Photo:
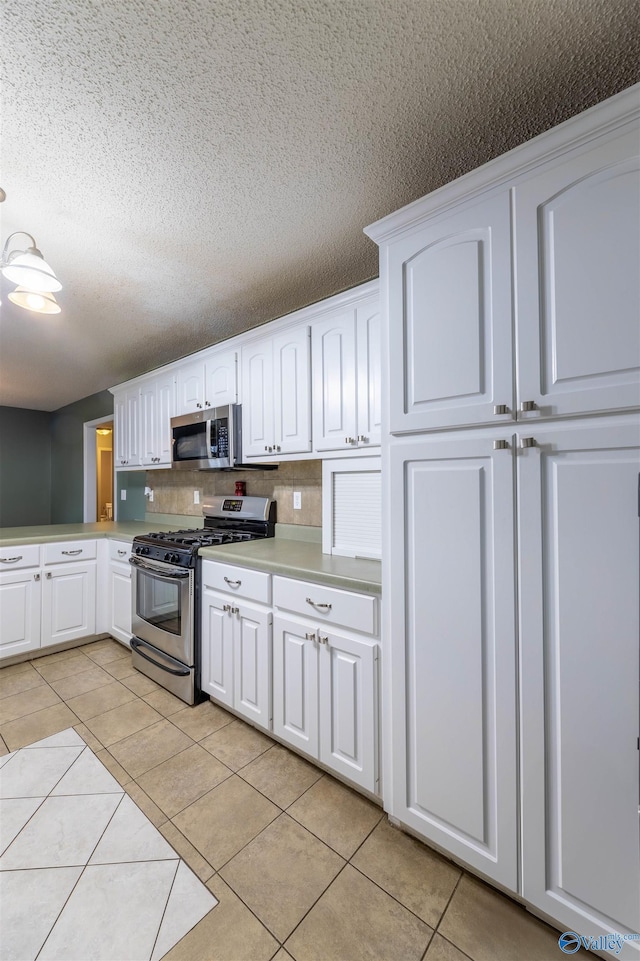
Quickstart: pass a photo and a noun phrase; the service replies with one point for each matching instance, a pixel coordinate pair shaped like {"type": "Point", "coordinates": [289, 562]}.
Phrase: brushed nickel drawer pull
{"type": "Point", "coordinates": [325, 607]}
{"type": "Point", "coordinates": [73, 553]}
{"type": "Point", "coordinates": [11, 560]}
{"type": "Point", "coordinates": [232, 583]}
{"type": "Point", "coordinates": [121, 552]}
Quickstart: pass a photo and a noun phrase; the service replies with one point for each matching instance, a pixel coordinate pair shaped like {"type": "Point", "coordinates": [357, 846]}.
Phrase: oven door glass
{"type": "Point", "coordinates": [162, 611]}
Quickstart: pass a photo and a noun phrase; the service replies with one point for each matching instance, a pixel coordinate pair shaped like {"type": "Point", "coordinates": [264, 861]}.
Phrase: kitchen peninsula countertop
{"type": "Point", "coordinates": [283, 555]}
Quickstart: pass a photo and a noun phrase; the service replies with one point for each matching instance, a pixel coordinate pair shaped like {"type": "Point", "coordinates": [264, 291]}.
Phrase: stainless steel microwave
{"type": "Point", "coordinates": [210, 439]}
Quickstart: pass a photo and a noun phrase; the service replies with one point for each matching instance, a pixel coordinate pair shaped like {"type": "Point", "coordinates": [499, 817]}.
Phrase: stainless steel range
{"type": "Point", "coordinates": [166, 589]}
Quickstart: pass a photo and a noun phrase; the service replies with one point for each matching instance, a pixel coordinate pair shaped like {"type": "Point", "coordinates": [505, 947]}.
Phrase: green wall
{"type": "Point", "coordinates": [135, 506]}
{"type": "Point", "coordinates": [25, 467]}
{"type": "Point", "coordinates": [67, 455]}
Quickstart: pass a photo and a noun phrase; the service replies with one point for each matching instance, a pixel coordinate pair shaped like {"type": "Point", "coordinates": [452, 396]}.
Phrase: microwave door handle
{"type": "Point", "coordinates": [208, 438]}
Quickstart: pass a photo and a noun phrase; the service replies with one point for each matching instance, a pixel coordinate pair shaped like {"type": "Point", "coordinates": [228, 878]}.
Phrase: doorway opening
{"type": "Point", "coordinates": [98, 470]}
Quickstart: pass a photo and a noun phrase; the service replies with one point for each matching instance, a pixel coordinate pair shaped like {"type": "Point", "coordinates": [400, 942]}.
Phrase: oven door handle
{"type": "Point", "coordinates": [137, 645]}
{"type": "Point", "coordinates": [161, 572]}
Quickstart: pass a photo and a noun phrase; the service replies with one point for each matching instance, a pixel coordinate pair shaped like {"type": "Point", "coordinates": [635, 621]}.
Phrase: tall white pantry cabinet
{"type": "Point", "coordinates": [511, 456]}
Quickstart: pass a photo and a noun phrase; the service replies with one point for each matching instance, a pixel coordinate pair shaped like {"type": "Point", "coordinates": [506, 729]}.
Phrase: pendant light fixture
{"type": "Point", "coordinates": [27, 267]}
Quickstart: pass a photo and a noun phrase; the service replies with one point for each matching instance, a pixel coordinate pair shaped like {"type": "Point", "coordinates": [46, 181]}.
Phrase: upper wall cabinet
{"type": "Point", "coordinates": [578, 295]}
{"type": "Point", "coordinates": [126, 412]}
{"type": "Point", "coordinates": [346, 378]}
{"type": "Point", "coordinates": [211, 380]}
{"type": "Point", "coordinates": [276, 416]}
{"type": "Point", "coordinates": [450, 281]}
{"type": "Point", "coordinates": [157, 407]}
{"type": "Point", "coordinates": [550, 252]}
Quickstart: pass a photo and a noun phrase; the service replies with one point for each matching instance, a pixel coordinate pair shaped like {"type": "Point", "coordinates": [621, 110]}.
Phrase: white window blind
{"type": "Point", "coordinates": [357, 513]}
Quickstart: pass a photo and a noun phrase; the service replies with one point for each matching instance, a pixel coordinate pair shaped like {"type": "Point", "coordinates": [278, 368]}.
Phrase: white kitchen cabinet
{"type": "Point", "coordinates": [578, 295]}
{"type": "Point", "coordinates": [578, 621]}
{"type": "Point", "coordinates": [126, 411]}
{"type": "Point", "coordinates": [346, 371]}
{"type": "Point", "coordinates": [325, 678]}
{"type": "Point", "coordinates": [211, 380]}
{"type": "Point", "coordinates": [68, 591]}
{"type": "Point", "coordinates": [119, 591]}
{"type": "Point", "coordinates": [276, 413]}
{"type": "Point", "coordinates": [20, 602]}
{"type": "Point", "coordinates": [452, 649]}
{"type": "Point", "coordinates": [295, 684]}
{"type": "Point", "coordinates": [236, 642]}
{"type": "Point", "coordinates": [157, 407]}
{"type": "Point", "coordinates": [450, 296]}
{"type": "Point", "coordinates": [552, 252]}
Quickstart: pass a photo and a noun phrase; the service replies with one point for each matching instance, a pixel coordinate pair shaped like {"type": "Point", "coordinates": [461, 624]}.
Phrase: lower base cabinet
{"type": "Point", "coordinates": [312, 681]}
{"type": "Point", "coordinates": [236, 641]}
{"type": "Point", "coordinates": [325, 697]}
{"type": "Point", "coordinates": [68, 603]}
{"type": "Point", "coordinates": [119, 591]}
{"type": "Point", "coordinates": [20, 605]}
{"type": "Point", "coordinates": [50, 598]}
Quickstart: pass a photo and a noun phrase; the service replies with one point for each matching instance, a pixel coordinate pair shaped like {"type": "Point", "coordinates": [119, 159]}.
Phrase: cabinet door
{"type": "Point", "coordinates": [217, 648]}
{"type": "Point", "coordinates": [134, 454]}
{"type": "Point", "coordinates": [252, 664]}
{"type": "Point", "coordinates": [333, 351]}
{"type": "Point", "coordinates": [577, 256]}
{"type": "Point", "coordinates": [19, 612]}
{"type": "Point", "coordinates": [68, 603]}
{"type": "Point", "coordinates": [257, 400]}
{"type": "Point", "coordinates": [292, 391]}
{"type": "Point", "coordinates": [190, 386]}
{"type": "Point", "coordinates": [121, 429]}
{"type": "Point", "coordinates": [578, 544]}
{"type": "Point", "coordinates": [450, 346]}
{"type": "Point", "coordinates": [165, 410]}
{"type": "Point", "coordinates": [295, 684]}
{"type": "Point", "coordinates": [453, 649]}
{"type": "Point", "coordinates": [120, 602]}
{"type": "Point", "coordinates": [369, 375]}
{"type": "Point", "coordinates": [349, 707]}
{"type": "Point", "coordinates": [148, 423]}
{"type": "Point", "coordinates": [221, 379]}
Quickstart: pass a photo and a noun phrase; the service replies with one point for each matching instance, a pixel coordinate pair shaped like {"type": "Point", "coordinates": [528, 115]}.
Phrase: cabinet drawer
{"type": "Point", "coordinates": [239, 581]}
{"type": "Point", "coordinates": [69, 551]}
{"type": "Point", "coordinates": [13, 558]}
{"type": "Point", "coordinates": [327, 604]}
{"type": "Point", "coordinates": [118, 551]}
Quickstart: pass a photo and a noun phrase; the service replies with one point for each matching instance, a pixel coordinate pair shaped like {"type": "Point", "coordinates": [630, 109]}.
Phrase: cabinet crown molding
{"type": "Point", "coordinates": [502, 171]}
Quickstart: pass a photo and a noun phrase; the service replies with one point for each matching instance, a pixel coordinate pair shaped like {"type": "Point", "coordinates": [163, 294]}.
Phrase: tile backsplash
{"type": "Point", "coordinates": [173, 490]}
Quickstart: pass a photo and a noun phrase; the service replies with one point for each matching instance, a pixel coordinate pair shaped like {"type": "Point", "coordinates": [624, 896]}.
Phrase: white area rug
{"type": "Point", "coordinates": [84, 874]}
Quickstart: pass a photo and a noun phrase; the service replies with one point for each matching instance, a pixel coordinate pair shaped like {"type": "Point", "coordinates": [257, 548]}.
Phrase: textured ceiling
{"type": "Point", "coordinates": [193, 168]}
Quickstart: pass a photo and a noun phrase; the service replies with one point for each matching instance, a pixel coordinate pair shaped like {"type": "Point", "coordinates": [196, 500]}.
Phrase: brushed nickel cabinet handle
{"type": "Point", "coordinates": [500, 445]}
{"type": "Point", "coordinates": [232, 583]}
{"type": "Point", "coordinates": [73, 553]}
{"type": "Point", "coordinates": [528, 442]}
{"type": "Point", "coordinates": [11, 560]}
{"type": "Point", "coordinates": [324, 607]}
{"type": "Point", "coordinates": [528, 405]}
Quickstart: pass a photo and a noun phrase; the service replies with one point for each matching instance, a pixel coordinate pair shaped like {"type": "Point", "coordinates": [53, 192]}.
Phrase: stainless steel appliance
{"type": "Point", "coordinates": [210, 439]}
{"type": "Point", "coordinates": [165, 612]}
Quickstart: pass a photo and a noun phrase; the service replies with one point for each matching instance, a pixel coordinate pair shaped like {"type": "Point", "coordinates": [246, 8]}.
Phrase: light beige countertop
{"type": "Point", "coordinates": [278, 555]}
{"type": "Point", "coordinates": [301, 559]}
{"type": "Point", "coordinates": [47, 533]}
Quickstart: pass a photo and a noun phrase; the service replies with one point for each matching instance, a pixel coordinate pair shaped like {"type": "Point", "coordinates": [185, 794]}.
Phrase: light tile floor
{"type": "Point", "coordinates": [78, 861]}
{"type": "Point", "coordinates": [303, 867]}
